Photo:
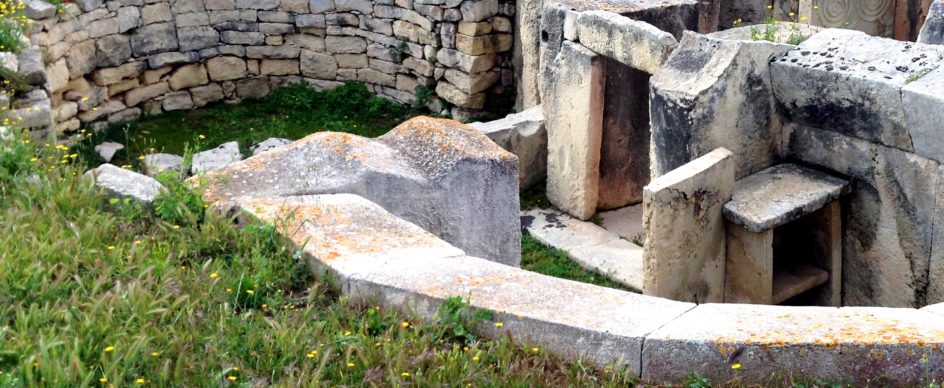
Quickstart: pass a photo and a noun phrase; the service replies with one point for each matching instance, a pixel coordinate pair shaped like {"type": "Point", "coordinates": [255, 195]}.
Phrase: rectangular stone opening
{"type": "Point", "coordinates": [624, 154]}
{"type": "Point", "coordinates": [804, 259]}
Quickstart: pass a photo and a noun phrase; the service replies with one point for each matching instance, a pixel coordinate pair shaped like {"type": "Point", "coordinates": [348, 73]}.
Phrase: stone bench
{"type": "Point", "coordinates": [784, 236]}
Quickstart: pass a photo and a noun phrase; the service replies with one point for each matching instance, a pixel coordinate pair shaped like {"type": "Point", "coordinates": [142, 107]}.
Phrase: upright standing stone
{"type": "Point", "coordinates": [573, 108]}
{"type": "Point", "coordinates": [933, 30]}
{"type": "Point", "coordinates": [685, 248]}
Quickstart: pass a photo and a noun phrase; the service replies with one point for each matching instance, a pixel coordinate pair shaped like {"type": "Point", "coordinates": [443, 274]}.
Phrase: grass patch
{"type": "Point", "coordinates": [543, 259]}
{"type": "Point", "coordinates": [292, 112]}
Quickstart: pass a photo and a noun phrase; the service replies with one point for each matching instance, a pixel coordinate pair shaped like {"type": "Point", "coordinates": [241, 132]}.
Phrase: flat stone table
{"type": "Point", "coordinates": [784, 236]}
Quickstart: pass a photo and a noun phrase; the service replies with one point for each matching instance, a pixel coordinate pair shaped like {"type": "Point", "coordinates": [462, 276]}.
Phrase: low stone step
{"type": "Point", "coordinates": [587, 244]}
{"type": "Point", "coordinates": [795, 281]}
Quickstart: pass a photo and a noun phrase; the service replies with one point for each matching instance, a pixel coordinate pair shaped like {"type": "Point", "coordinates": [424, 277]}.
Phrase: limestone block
{"type": "Point", "coordinates": [888, 234]}
{"type": "Point", "coordinates": [277, 28]}
{"type": "Point", "coordinates": [154, 76]}
{"type": "Point", "coordinates": [471, 83]}
{"type": "Point", "coordinates": [269, 145]}
{"type": "Point", "coordinates": [220, 5]}
{"type": "Point", "coordinates": [933, 30]}
{"type": "Point", "coordinates": [922, 99]}
{"type": "Point", "coordinates": [527, 52]}
{"type": "Point", "coordinates": [156, 13]}
{"type": "Point", "coordinates": [321, 6]}
{"type": "Point", "coordinates": [486, 44]}
{"type": "Point", "coordinates": [123, 86]}
{"type": "Point", "coordinates": [113, 50]}
{"type": "Point", "coordinates": [242, 37]}
{"type": "Point", "coordinates": [139, 95]}
{"type": "Point", "coordinates": [306, 42]}
{"type": "Point", "coordinates": [188, 76]}
{"type": "Point", "coordinates": [636, 44]}
{"type": "Point", "coordinates": [296, 6]}
{"type": "Point", "coordinates": [187, 6]}
{"type": "Point", "coordinates": [414, 33]}
{"type": "Point", "coordinates": [474, 28]}
{"type": "Point", "coordinates": [219, 17]}
{"type": "Point", "coordinates": [226, 68]}
{"type": "Point", "coordinates": [310, 21]}
{"type": "Point", "coordinates": [203, 95]}
{"type": "Point", "coordinates": [279, 67]}
{"type": "Point", "coordinates": [851, 344]}
{"type": "Point", "coordinates": [81, 58]}
{"type": "Point", "coordinates": [216, 158]}
{"type": "Point", "coordinates": [524, 135]}
{"type": "Point", "coordinates": [157, 61]}
{"type": "Point", "coordinates": [446, 188]}
{"type": "Point", "coordinates": [276, 17]}
{"type": "Point", "coordinates": [157, 163]}
{"type": "Point", "coordinates": [123, 116]}
{"type": "Point", "coordinates": [114, 75]}
{"type": "Point", "coordinates": [38, 9]}
{"type": "Point", "coordinates": [372, 76]}
{"type": "Point", "coordinates": [478, 10]}
{"type": "Point", "coordinates": [362, 6]}
{"type": "Point", "coordinates": [153, 39]}
{"type": "Point", "coordinates": [351, 61]}
{"type": "Point", "coordinates": [685, 244]}
{"type": "Point", "coordinates": [851, 83]}
{"type": "Point", "coordinates": [272, 52]}
{"type": "Point", "coordinates": [31, 68]}
{"type": "Point", "coordinates": [101, 111]}
{"type": "Point", "coordinates": [257, 4]}
{"type": "Point", "coordinates": [57, 76]}
{"type": "Point", "coordinates": [573, 111]}
{"type": "Point", "coordinates": [121, 183]}
{"type": "Point", "coordinates": [699, 101]}
{"type": "Point", "coordinates": [318, 65]}
{"type": "Point", "coordinates": [345, 45]}
{"type": "Point", "coordinates": [457, 97]}
{"type": "Point", "coordinates": [128, 18]}
{"type": "Point", "coordinates": [9, 62]}
{"type": "Point", "coordinates": [197, 38]}
{"type": "Point", "coordinates": [66, 110]}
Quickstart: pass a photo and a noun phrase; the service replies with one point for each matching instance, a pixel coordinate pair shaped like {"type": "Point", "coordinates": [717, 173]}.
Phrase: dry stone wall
{"type": "Point", "coordinates": [109, 61]}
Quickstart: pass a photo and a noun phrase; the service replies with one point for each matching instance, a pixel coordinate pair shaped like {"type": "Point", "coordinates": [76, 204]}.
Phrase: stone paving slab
{"type": "Point", "coordinates": [376, 254]}
{"type": "Point", "coordinates": [591, 246]}
{"type": "Point", "coordinates": [780, 194]}
{"type": "Point", "coordinates": [850, 344]}
{"type": "Point", "coordinates": [626, 222]}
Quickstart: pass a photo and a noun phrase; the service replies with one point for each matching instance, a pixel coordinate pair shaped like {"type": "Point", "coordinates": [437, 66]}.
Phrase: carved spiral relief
{"type": "Point", "coordinates": [872, 16]}
{"type": "Point", "coordinates": [834, 13]}
{"type": "Point", "coordinates": [875, 10]}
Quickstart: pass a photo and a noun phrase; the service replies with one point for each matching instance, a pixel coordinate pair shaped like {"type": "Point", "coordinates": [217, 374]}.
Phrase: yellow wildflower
{"type": "Point", "coordinates": [214, 275]}
{"type": "Point", "coordinates": [405, 374]}
{"type": "Point", "coordinates": [736, 366]}
{"type": "Point", "coordinates": [139, 381]}
{"type": "Point", "coordinates": [231, 378]}
{"type": "Point", "coordinates": [109, 349]}
{"type": "Point", "coordinates": [405, 324]}
{"type": "Point", "coordinates": [499, 324]}
{"type": "Point", "coordinates": [103, 380]}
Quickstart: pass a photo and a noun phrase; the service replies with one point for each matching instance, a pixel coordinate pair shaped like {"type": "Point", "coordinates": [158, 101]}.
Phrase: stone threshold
{"type": "Point", "coordinates": [377, 255]}
{"type": "Point", "coordinates": [589, 245]}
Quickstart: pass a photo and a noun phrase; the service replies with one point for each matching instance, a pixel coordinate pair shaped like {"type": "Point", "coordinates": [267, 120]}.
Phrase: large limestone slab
{"type": "Point", "coordinates": [526, 57]}
{"type": "Point", "coordinates": [573, 111]}
{"type": "Point", "coordinates": [715, 91]}
{"type": "Point", "coordinates": [858, 346]}
{"type": "Point", "coordinates": [922, 99]}
{"type": "Point", "coordinates": [524, 135]}
{"type": "Point", "coordinates": [781, 194]}
{"type": "Point", "coordinates": [685, 246]}
{"type": "Point", "coordinates": [933, 30]}
{"type": "Point", "coordinates": [624, 152]}
{"type": "Point", "coordinates": [589, 245]}
{"type": "Point", "coordinates": [124, 183]}
{"type": "Point", "coordinates": [636, 44]}
{"type": "Point", "coordinates": [444, 176]}
{"type": "Point", "coordinates": [377, 255]}
{"type": "Point", "coordinates": [672, 16]}
{"type": "Point", "coordinates": [889, 219]}
{"type": "Point", "coordinates": [851, 83]}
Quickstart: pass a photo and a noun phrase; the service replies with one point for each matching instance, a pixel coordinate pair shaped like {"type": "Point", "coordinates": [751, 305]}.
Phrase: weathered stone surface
{"type": "Point", "coordinates": [685, 246]}
{"type": "Point", "coordinates": [781, 194]}
{"type": "Point", "coordinates": [396, 262]}
{"type": "Point", "coordinates": [715, 91]}
{"type": "Point", "coordinates": [123, 183]}
{"type": "Point", "coordinates": [31, 69]}
{"type": "Point", "coordinates": [81, 58]}
{"type": "Point", "coordinates": [188, 76]}
{"type": "Point", "coordinates": [38, 9]}
{"type": "Point", "coordinates": [226, 68]}
{"type": "Point", "coordinates": [446, 189]}
{"type": "Point", "coordinates": [197, 38]}
{"type": "Point", "coordinates": [203, 95]}
{"type": "Point", "coordinates": [459, 98]}
{"type": "Point", "coordinates": [933, 30]}
{"type": "Point", "coordinates": [158, 61]}
{"type": "Point", "coordinates": [153, 39]}
{"type": "Point", "coordinates": [113, 50]}
{"type": "Point", "coordinates": [256, 87]}
{"type": "Point", "coordinates": [526, 55]}
{"type": "Point", "coordinates": [108, 149]}
{"type": "Point", "coordinates": [573, 111]}
{"type": "Point", "coordinates": [856, 345]}
{"type": "Point", "coordinates": [636, 44]}
{"type": "Point", "coordinates": [888, 234]}
{"type": "Point", "coordinates": [591, 246]}
{"type": "Point", "coordinates": [268, 145]}
{"type": "Point", "coordinates": [477, 10]}
{"type": "Point", "coordinates": [318, 65]}
{"type": "Point", "coordinates": [851, 83]}
{"type": "Point", "coordinates": [177, 101]}
{"type": "Point", "coordinates": [216, 158]}
{"type": "Point", "coordinates": [524, 135]}
{"type": "Point", "coordinates": [88, 5]}
{"type": "Point", "coordinates": [157, 163]}
{"type": "Point", "coordinates": [624, 151]}
{"type": "Point", "coordinates": [139, 95]}
{"type": "Point", "coordinates": [113, 75]}
{"type": "Point", "coordinates": [625, 222]}
{"type": "Point", "coordinates": [156, 13]}
{"type": "Point", "coordinates": [922, 99]}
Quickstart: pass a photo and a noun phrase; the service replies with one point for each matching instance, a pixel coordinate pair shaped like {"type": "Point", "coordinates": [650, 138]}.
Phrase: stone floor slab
{"type": "Point", "coordinates": [625, 222]}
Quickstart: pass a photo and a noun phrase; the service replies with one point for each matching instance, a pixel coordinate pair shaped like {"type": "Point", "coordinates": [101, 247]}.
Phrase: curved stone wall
{"type": "Point", "coordinates": [115, 60]}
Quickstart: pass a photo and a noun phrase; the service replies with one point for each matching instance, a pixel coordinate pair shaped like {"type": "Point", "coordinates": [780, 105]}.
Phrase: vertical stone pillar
{"type": "Point", "coordinates": [682, 213]}
{"type": "Point", "coordinates": [527, 52]}
{"type": "Point", "coordinates": [874, 17]}
{"type": "Point", "coordinates": [750, 265]}
{"type": "Point", "coordinates": [573, 111]}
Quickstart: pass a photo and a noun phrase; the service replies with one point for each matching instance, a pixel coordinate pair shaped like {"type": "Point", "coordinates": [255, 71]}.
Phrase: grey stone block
{"type": "Point", "coordinates": [157, 163]}
{"type": "Point", "coordinates": [216, 158]}
{"type": "Point", "coordinates": [636, 44]}
{"type": "Point", "coordinates": [268, 145]}
{"type": "Point", "coordinates": [933, 30]}
{"type": "Point", "coordinates": [153, 39]}
{"type": "Point", "coordinates": [524, 135]}
{"type": "Point", "coordinates": [126, 183]}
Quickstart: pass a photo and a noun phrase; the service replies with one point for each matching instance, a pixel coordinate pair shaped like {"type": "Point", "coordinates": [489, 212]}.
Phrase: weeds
{"type": "Point", "coordinates": [12, 24]}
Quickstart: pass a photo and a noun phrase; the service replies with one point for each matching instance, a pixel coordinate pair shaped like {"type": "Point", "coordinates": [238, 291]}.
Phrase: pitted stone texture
{"type": "Point", "coordinates": [446, 177]}
{"type": "Point", "coordinates": [854, 345]}
{"type": "Point", "coordinates": [933, 30]}
{"type": "Point", "coordinates": [524, 135]}
{"type": "Point", "coordinates": [268, 145]}
{"type": "Point", "coordinates": [889, 222]}
{"type": "Point", "coordinates": [682, 214]}
{"type": "Point", "coordinates": [781, 194]}
{"type": "Point", "coordinates": [715, 91]}
{"type": "Point", "coordinates": [380, 256]}
{"type": "Point", "coordinates": [216, 158]}
{"type": "Point", "coordinates": [124, 183]}
{"type": "Point", "coordinates": [636, 44]}
{"type": "Point", "coordinates": [157, 163]}
{"type": "Point", "coordinates": [851, 83]}
{"type": "Point", "coordinates": [591, 246]}
{"type": "Point", "coordinates": [573, 108]}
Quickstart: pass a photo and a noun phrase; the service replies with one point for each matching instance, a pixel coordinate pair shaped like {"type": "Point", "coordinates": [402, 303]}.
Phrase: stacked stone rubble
{"type": "Point", "coordinates": [109, 61]}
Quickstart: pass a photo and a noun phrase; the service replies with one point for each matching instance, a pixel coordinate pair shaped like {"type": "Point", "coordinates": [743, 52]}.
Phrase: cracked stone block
{"type": "Point", "coordinates": [216, 158]}
{"type": "Point", "coordinates": [446, 177]}
{"type": "Point", "coordinates": [682, 214]}
{"type": "Point", "coordinates": [524, 135]}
